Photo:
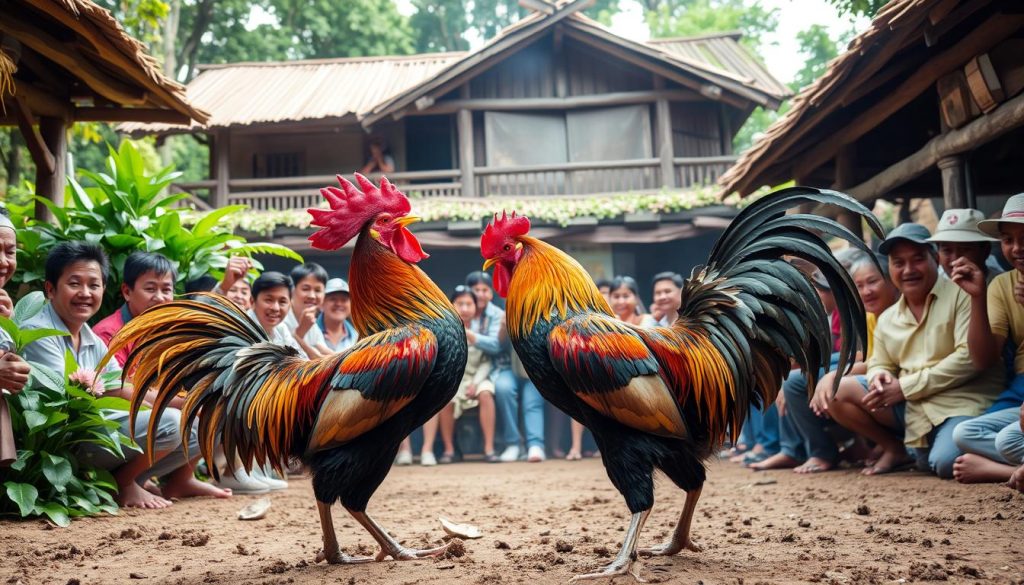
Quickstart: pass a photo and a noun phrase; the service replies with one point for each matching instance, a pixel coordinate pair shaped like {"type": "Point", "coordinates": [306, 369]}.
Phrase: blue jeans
{"type": "Point", "coordinates": [802, 433]}
{"type": "Point", "coordinates": [943, 450]}
{"type": "Point", "coordinates": [995, 436]}
{"type": "Point", "coordinates": [762, 428]}
{"type": "Point", "coordinates": [508, 392]}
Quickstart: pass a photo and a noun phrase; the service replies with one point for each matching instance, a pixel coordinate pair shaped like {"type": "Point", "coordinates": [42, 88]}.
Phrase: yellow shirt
{"type": "Point", "coordinates": [931, 361]}
{"type": "Point", "coordinates": [1005, 315]}
{"type": "Point", "coordinates": [871, 320]}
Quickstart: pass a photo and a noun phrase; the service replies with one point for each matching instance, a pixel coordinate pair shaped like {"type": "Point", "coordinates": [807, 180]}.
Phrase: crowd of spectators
{"type": "Point", "coordinates": [939, 386]}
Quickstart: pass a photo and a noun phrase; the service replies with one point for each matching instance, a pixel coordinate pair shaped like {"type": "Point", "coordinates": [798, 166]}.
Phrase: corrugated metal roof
{"type": "Point", "coordinates": [724, 52]}
{"type": "Point", "coordinates": [255, 93]}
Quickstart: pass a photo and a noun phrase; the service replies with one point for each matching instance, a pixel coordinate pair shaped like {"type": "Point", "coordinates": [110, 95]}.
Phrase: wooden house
{"type": "Point", "coordinates": [556, 106]}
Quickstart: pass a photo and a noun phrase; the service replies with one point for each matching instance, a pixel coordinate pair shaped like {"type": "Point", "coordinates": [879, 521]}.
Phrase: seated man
{"type": "Point", "coordinates": [148, 281]}
{"type": "Point", "coordinates": [958, 236]}
{"type": "Point", "coordinates": [75, 277]}
{"type": "Point", "coordinates": [921, 382]}
{"type": "Point", "coordinates": [993, 443]}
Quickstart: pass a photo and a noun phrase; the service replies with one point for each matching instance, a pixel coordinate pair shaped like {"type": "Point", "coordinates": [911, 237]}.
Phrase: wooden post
{"type": "Point", "coordinates": [464, 120]}
{"type": "Point", "coordinates": [50, 184]}
{"type": "Point", "coordinates": [665, 151]}
{"type": "Point", "coordinates": [954, 185]}
{"type": "Point", "coordinates": [844, 178]}
{"type": "Point", "coordinates": [222, 170]}
{"type": "Point", "coordinates": [725, 128]}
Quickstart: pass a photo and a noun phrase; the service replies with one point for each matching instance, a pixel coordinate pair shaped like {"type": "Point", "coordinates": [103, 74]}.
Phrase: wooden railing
{"type": "Point", "coordinates": [699, 171]}
{"type": "Point", "coordinates": [579, 178]}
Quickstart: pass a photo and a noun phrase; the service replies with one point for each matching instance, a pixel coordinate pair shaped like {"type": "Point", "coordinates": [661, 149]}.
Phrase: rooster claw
{"type": "Point", "coordinates": [670, 548]}
{"type": "Point", "coordinates": [340, 558]}
{"type": "Point", "coordinates": [615, 569]}
{"type": "Point", "coordinates": [410, 554]}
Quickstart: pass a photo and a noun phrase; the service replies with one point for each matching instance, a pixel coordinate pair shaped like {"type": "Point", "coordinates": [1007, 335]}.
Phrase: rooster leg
{"type": "Point", "coordinates": [623, 563]}
{"type": "Point", "coordinates": [389, 547]}
{"type": "Point", "coordinates": [330, 552]}
{"type": "Point", "coordinates": [681, 536]}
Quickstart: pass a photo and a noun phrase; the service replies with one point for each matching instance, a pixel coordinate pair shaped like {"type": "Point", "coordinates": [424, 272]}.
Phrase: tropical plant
{"type": "Point", "coordinates": [126, 210]}
{"type": "Point", "coordinates": [55, 415]}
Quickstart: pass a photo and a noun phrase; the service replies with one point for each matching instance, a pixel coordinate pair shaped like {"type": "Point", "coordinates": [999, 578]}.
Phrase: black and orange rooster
{"type": "Point", "coordinates": [666, 397]}
{"type": "Point", "coordinates": [344, 415]}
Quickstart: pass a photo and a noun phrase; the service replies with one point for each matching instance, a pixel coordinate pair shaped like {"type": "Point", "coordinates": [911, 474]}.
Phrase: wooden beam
{"type": "Point", "coordinates": [946, 21]}
{"type": "Point", "coordinates": [71, 60]}
{"type": "Point", "coordinates": [954, 182]}
{"type": "Point", "coordinates": [537, 6]}
{"type": "Point", "coordinates": [44, 103]}
{"type": "Point", "coordinates": [846, 163]}
{"type": "Point", "coordinates": [725, 128]}
{"type": "Point", "coordinates": [568, 103]}
{"type": "Point", "coordinates": [979, 40]}
{"type": "Point", "coordinates": [41, 155]}
{"type": "Point", "coordinates": [50, 182]}
{"type": "Point", "coordinates": [464, 120]}
{"type": "Point", "coordinates": [663, 118]}
{"type": "Point", "coordinates": [1007, 117]}
{"type": "Point", "coordinates": [154, 115]}
{"type": "Point", "coordinates": [222, 172]}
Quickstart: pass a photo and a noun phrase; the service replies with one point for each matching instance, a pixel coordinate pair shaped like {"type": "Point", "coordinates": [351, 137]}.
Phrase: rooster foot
{"type": "Point", "coordinates": [401, 553]}
{"type": "Point", "coordinates": [616, 569]}
{"type": "Point", "coordinates": [340, 558]}
{"type": "Point", "coordinates": [670, 548]}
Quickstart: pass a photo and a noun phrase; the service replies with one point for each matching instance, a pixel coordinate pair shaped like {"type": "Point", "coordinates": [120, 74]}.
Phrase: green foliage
{"type": "Point", "coordinates": [126, 211]}
{"type": "Point", "coordinates": [868, 8]}
{"type": "Point", "coordinates": [53, 417]}
{"type": "Point", "coordinates": [818, 48]}
{"type": "Point", "coordinates": [696, 17]}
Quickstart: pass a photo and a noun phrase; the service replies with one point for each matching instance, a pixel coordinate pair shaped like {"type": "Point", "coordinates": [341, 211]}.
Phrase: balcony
{"type": "Point", "coordinates": [584, 178]}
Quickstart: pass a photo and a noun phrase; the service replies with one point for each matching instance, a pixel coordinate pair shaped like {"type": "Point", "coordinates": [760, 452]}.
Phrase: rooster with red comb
{"type": "Point", "coordinates": [344, 415]}
{"type": "Point", "coordinates": [666, 397]}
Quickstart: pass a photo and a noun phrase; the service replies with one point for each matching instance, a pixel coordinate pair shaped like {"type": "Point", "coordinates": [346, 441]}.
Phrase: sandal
{"type": "Point", "coordinates": [573, 456]}
{"type": "Point", "coordinates": [491, 458]}
{"type": "Point", "coordinates": [446, 458]}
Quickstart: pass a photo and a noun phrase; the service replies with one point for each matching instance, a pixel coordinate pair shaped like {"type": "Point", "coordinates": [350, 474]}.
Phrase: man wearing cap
{"type": "Point", "coordinates": [993, 442]}
{"type": "Point", "coordinates": [920, 376]}
{"type": "Point", "coordinates": [958, 236]}
{"type": "Point", "coordinates": [339, 334]}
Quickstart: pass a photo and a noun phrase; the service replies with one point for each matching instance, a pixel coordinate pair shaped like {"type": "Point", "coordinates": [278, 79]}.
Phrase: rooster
{"type": "Point", "coordinates": [666, 397]}
{"type": "Point", "coordinates": [345, 414]}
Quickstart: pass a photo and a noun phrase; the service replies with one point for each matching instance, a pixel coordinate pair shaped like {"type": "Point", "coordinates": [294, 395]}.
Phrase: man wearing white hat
{"type": "Point", "coordinates": [958, 236]}
{"type": "Point", "coordinates": [993, 442]}
{"type": "Point", "coordinates": [339, 334]}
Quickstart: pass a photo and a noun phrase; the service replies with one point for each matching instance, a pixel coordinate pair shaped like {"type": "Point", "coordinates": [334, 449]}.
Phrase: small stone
{"type": "Point", "coordinates": [863, 510]}
{"type": "Point", "coordinates": [563, 546]}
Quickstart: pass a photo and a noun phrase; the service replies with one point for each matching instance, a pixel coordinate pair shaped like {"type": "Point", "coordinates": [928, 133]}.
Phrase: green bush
{"type": "Point", "coordinates": [52, 417]}
{"type": "Point", "coordinates": [128, 210]}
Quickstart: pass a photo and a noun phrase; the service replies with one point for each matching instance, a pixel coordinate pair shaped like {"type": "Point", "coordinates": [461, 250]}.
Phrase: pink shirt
{"type": "Point", "coordinates": [109, 326]}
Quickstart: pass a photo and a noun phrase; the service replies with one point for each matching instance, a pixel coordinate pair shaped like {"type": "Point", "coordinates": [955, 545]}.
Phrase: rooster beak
{"type": "Point", "coordinates": [405, 221]}
{"type": "Point", "coordinates": [490, 262]}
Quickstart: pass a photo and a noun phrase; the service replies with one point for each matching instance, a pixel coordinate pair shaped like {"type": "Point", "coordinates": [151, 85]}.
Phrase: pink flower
{"type": "Point", "coordinates": [88, 380]}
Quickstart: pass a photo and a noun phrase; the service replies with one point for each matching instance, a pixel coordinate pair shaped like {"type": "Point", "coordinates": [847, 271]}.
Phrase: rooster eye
{"type": "Point", "coordinates": [508, 247]}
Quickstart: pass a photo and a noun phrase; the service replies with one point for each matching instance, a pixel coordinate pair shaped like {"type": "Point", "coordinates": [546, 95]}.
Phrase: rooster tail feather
{"type": "Point", "coordinates": [222, 361]}
{"type": "Point", "coordinates": [759, 311]}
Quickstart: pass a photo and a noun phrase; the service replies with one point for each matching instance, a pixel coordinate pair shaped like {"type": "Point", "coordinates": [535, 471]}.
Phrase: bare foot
{"type": "Point", "coordinates": [573, 455]}
{"type": "Point", "coordinates": [738, 458]}
{"type": "Point", "coordinates": [151, 487]}
{"type": "Point", "coordinates": [874, 456]}
{"type": "Point", "coordinates": [131, 495]}
{"type": "Point", "coordinates": [193, 488]}
{"type": "Point", "coordinates": [777, 461]}
{"type": "Point", "coordinates": [889, 461]}
{"type": "Point", "coordinates": [813, 465]}
{"type": "Point", "coordinates": [971, 468]}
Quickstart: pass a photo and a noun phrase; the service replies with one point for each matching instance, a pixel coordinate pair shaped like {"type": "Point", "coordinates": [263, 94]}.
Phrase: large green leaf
{"type": "Point", "coordinates": [10, 328]}
{"type": "Point", "coordinates": [267, 248]}
{"type": "Point", "coordinates": [123, 240]}
{"type": "Point", "coordinates": [35, 420]}
{"type": "Point", "coordinates": [57, 211]}
{"type": "Point", "coordinates": [57, 470]}
{"type": "Point", "coordinates": [210, 220]}
{"type": "Point", "coordinates": [112, 403]}
{"type": "Point", "coordinates": [57, 513]}
{"type": "Point", "coordinates": [79, 196]}
{"type": "Point", "coordinates": [29, 335]}
{"type": "Point", "coordinates": [22, 494]}
{"type": "Point", "coordinates": [29, 306]}
{"type": "Point", "coordinates": [47, 377]}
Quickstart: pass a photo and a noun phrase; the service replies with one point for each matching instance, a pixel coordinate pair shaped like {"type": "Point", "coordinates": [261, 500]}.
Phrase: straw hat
{"type": "Point", "coordinates": [1013, 212]}
{"type": "Point", "coordinates": [960, 225]}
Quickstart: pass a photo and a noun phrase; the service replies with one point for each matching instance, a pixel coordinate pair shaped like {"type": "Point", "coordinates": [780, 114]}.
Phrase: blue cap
{"type": "Point", "coordinates": [907, 232]}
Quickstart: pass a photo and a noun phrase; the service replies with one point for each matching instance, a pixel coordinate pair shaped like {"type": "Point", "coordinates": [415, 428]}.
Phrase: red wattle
{"type": "Point", "coordinates": [407, 246]}
{"type": "Point", "coordinates": [502, 278]}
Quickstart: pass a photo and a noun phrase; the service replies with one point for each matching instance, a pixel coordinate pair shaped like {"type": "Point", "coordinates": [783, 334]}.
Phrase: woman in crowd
{"type": "Point", "coordinates": [475, 390]}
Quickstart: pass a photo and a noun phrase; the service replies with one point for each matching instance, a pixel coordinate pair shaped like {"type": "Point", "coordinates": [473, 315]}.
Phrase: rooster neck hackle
{"type": "Point", "coordinates": [387, 291]}
{"type": "Point", "coordinates": [548, 284]}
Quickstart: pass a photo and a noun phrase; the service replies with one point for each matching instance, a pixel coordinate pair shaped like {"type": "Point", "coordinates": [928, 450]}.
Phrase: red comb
{"type": "Point", "coordinates": [352, 208]}
{"type": "Point", "coordinates": [506, 226]}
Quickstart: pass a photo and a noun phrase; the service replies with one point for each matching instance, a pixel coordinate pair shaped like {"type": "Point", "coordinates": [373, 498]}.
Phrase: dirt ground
{"type": "Point", "coordinates": [543, 523]}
